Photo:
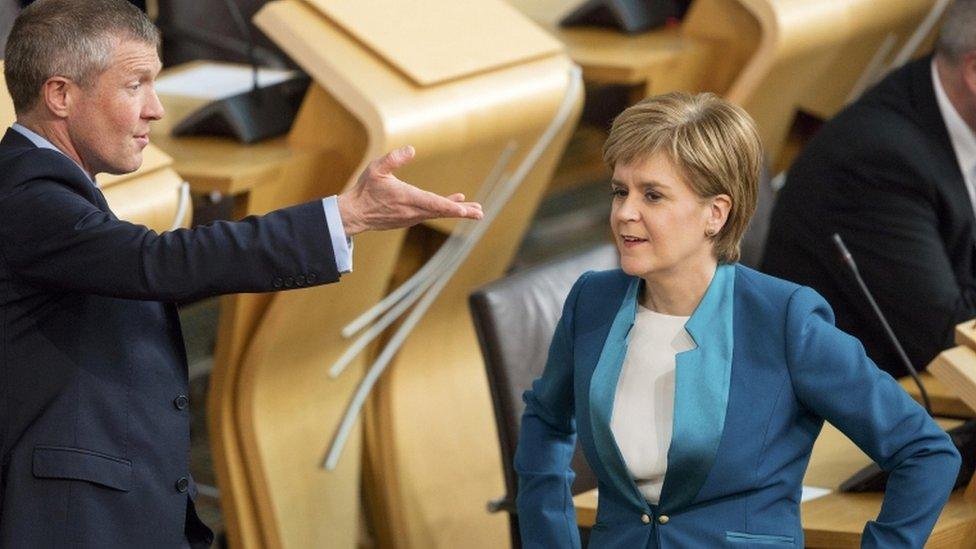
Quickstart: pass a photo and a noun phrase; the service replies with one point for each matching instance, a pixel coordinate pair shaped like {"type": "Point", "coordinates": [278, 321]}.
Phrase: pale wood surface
{"type": "Point", "coordinates": [275, 408]}
{"type": "Point", "coordinates": [804, 46]}
{"type": "Point", "coordinates": [433, 41]}
{"type": "Point", "coordinates": [965, 334]}
{"type": "Point", "coordinates": [770, 56]}
{"type": "Point", "coordinates": [945, 401]}
{"type": "Point", "coordinates": [148, 196]}
{"type": "Point", "coordinates": [956, 368]}
{"type": "Point", "coordinates": [606, 55]}
{"type": "Point", "coordinates": [219, 164]}
{"type": "Point", "coordinates": [837, 520]}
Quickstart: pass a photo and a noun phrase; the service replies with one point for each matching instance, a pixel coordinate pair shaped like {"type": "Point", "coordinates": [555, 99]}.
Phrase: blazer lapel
{"type": "Point", "coordinates": [603, 388]}
{"type": "Point", "coordinates": [702, 380]}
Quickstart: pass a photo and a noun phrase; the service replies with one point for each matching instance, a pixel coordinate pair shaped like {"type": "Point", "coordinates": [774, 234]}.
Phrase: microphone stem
{"type": "Point", "coordinates": [849, 260]}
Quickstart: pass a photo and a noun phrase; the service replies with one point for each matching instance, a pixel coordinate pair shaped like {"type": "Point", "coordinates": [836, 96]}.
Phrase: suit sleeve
{"type": "Point", "coordinates": [834, 379]}
{"type": "Point", "coordinates": [547, 439]}
{"type": "Point", "coordinates": [52, 237]}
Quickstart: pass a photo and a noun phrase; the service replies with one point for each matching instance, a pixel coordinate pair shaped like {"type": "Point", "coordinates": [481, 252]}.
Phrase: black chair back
{"type": "Point", "coordinates": [515, 318]}
{"type": "Point", "coordinates": [754, 240]}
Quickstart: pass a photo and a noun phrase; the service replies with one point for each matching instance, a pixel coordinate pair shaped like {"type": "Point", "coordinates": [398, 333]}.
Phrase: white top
{"type": "Point", "coordinates": [643, 408]}
{"type": "Point", "coordinates": [960, 134]}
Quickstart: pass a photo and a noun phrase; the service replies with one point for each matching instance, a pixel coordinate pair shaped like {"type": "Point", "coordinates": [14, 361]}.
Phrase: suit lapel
{"type": "Point", "coordinates": [701, 393]}
{"type": "Point", "coordinates": [603, 388]}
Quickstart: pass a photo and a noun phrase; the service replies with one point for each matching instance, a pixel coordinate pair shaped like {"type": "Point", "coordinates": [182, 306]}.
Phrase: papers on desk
{"type": "Point", "coordinates": [215, 81]}
{"type": "Point", "coordinates": [812, 492]}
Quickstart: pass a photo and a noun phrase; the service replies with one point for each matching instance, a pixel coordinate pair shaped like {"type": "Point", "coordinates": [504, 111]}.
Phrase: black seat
{"type": "Point", "coordinates": [515, 318]}
{"type": "Point", "coordinates": [754, 240]}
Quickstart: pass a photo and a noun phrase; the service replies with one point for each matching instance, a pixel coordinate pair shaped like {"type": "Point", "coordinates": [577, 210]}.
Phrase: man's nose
{"type": "Point", "coordinates": [154, 107]}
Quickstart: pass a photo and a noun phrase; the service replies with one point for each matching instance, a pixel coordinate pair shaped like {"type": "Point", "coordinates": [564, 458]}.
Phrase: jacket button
{"type": "Point", "coordinates": [663, 519]}
{"type": "Point", "coordinates": [277, 282]}
{"type": "Point", "coordinates": [300, 280]}
{"type": "Point", "coordinates": [182, 485]}
{"type": "Point", "coordinates": [645, 519]}
{"type": "Point", "coordinates": [289, 282]}
{"type": "Point", "coordinates": [181, 402]}
{"type": "Point", "coordinates": [311, 277]}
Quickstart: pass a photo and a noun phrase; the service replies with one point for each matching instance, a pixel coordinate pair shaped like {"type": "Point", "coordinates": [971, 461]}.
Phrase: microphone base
{"type": "Point", "coordinates": [873, 479]}
{"type": "Point", "coordinates": [250, 116]}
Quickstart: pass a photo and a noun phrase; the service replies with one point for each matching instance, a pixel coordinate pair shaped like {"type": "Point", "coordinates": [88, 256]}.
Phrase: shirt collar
{"type": "Point", "coordinates": [41, 142]}
{"type": "Point", "coordinates": [960, 134]}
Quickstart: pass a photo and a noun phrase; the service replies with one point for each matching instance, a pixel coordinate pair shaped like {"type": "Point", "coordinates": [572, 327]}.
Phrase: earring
{"type": "Point", "coordinates": [710, 232]}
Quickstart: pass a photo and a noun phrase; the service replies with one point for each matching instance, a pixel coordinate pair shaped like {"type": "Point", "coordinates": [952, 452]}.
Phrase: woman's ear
{"type": "Point", "coordinates": [719, 207]}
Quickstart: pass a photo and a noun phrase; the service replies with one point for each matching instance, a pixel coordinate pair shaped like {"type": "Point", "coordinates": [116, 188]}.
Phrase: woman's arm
{"type": "Point", "coordinates": [834, 378]}
{"type": "Point", "coordinates": [547, 439]}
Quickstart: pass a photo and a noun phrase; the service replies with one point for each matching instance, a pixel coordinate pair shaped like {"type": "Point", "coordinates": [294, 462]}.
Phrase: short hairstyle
{"type": "Point", "coordinates": [713, 144]}
{"type": "Point", "coordinates": [70, 38]}
{"type": "Point", "coordinates": [958, 34]}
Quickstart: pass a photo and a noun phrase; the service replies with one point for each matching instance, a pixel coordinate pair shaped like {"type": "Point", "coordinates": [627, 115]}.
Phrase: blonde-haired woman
{"type": "Point", "coordinates": [698, 386]}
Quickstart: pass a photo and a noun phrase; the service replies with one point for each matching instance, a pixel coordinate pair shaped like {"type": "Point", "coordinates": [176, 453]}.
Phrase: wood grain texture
{"type": "Point", "coordinates": [945, 400]}
{"type": "Point", "coordinates": [435, 41]}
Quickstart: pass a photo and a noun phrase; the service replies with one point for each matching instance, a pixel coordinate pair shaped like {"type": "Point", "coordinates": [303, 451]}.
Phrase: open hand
{"type": "Point", "coordinates": [380, 201]}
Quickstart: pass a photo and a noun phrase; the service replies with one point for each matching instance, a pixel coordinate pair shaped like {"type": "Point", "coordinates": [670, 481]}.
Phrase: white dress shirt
{"type": "Point", "coordinates": [643, 405]}
{"type": "Point", "coordinates": [960, 134]}
{"type": "Point", "coordinates": [341, 244]}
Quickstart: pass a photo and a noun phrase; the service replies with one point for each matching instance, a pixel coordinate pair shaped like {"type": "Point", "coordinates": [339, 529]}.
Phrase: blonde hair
{"type": "Point", "coordinates": [713, 144]}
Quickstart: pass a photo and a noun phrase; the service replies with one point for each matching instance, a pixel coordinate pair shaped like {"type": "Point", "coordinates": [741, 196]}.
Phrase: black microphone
{"type": "Point", "coordinates": [848, 259]}
{"type": "Point", "coordinates": [251, 116]}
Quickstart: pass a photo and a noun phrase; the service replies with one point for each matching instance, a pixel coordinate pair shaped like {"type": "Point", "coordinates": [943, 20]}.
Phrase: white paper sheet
{"type": "Point", "coordinates": [812, 492]}
{"type": "Point", "coordinates": [215, 81]}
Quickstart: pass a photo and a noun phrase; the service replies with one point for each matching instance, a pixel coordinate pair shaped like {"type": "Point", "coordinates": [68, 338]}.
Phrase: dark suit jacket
{"type": "Point", "coordinates": [883, 174]}
{"type": "Point", "coordinates": [94, 422]}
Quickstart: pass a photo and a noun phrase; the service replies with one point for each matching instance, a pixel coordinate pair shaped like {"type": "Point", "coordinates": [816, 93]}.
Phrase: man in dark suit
{"type": "Point", "coordinates": [894, 175]}
{"type": "Point", "coordinates": [94, 424]}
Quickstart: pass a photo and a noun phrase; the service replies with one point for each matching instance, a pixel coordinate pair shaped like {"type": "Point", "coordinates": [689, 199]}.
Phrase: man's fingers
{"type": "Point", "coordinates": [456, 197]}
{"type": "Point", "coordinates": [394, 160]}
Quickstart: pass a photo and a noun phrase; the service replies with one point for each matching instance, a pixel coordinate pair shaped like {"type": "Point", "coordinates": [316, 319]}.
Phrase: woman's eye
{"type": "Point", "coordinates": [652, 196]}
{"type": "Point", "coordinates": [618, 193]}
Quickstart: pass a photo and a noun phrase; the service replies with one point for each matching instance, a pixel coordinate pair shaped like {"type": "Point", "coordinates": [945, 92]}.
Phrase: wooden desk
{"type": "Point", "coordinates": [608, 56]}
{"type": "Point", "coordinates": [222, 164]}
{"type": "Point", "coordinates": [836, 520]}
{"type": "Point", "coordinates": [945, 403]}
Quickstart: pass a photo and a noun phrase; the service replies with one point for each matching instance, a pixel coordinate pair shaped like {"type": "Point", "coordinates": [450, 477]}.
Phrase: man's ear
{"type": "Point", "coordinates": [56, 95]}
{"type": "Point", "coordinates": [719, 207]}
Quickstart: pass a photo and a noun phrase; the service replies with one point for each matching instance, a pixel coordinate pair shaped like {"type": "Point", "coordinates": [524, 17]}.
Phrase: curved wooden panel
{"type": "Point", "coordinates": [820, 47]}
{"type": "Point", "coordinates": [275, 407]}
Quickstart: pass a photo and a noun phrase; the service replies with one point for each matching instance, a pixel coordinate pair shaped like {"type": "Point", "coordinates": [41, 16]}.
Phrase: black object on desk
{"type": "Point", "coordinates": [630, 16]}
{"type": "Point", "coordinates": [873, 479]}
{"type": "Point", "coordinates": [251, 116]}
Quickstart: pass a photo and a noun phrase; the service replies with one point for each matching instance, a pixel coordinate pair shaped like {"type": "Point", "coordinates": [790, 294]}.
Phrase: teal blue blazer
{"type": "Point", "coordinates": [750, 400]}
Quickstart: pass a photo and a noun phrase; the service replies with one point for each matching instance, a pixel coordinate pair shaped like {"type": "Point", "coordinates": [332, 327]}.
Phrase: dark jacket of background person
{"type": "Point", "coordinates": [883, 174]}
{"type": "Point", "coordinates": [94, 437]}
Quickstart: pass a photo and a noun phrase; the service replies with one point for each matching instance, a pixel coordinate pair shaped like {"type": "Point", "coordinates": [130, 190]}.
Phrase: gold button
{"type": "Point", "coordinates": [645, 519]}
{"type": "Point", "coordinates": [663, 519]}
